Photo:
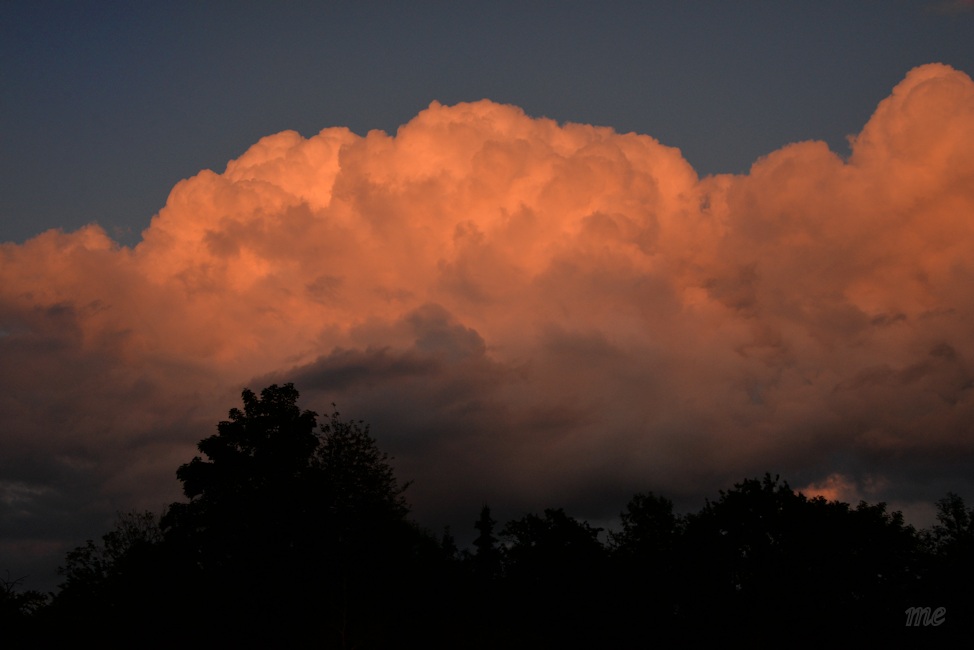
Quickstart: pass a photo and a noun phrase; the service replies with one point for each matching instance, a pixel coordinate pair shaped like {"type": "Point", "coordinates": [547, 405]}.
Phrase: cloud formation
{"type": "Point", "coordinates": [528, 313]}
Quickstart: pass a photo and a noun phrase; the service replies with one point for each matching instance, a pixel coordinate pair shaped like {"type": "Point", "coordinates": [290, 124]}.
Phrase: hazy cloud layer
{"type": "Point", "coordinates": [528, 313]}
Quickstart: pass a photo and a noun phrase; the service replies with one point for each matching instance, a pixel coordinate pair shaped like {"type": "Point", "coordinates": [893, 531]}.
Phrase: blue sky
{"type": "Point", "coordinates": [107, 105]}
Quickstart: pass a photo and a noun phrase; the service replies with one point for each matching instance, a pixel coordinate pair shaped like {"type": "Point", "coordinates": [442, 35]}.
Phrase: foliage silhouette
{"type": "Point", "coordinates": [295, 534]}
{"type": "Point", "coordinates": [286, 523]}
{"type": "Point", "coordinates": [954, 530]}
{"type": "Point", "coordinates": [649, 527]}
{"type": "Point", "coordinates": [555, 565]}
{"type": "Point", "coordinates": [486, 559]}
{"type": "Point", "coordinates": [89, 568]}
{"type": "Point", "coordinates": [772, 560]}
{"type": "Point", "coordinates": [644, 575]}
{"type": "Point", "coordinates": [19, 611]}
{"type": "Point", "coordinates": [950, 557]}
{"type": "Point", "coordinates": [116, 586]}
{"type": "Point", "coordinates": [291, 534]}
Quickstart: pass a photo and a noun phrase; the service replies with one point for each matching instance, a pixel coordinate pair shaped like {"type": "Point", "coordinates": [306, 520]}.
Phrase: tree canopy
{"type": "Point", "coordinates": [291, 531]}
{"type": "Point", "coordinates": [295, 533]}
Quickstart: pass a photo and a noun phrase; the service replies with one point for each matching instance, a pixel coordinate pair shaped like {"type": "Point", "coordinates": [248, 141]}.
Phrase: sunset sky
{"type": "Point", "coordinates": [554, 254]}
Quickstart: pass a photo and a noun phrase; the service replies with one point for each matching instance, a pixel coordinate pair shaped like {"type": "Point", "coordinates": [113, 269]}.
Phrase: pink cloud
{"type": "Point", "coordinates": [528, 312]}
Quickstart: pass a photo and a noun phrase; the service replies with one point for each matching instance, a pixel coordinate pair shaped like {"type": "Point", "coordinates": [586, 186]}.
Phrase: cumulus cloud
{"type": "Point", "coordinates": [528, 313]}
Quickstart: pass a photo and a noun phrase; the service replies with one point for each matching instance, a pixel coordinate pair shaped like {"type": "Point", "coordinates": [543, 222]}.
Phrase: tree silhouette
{"type": "Point", "coordinates": [486, 559]}
{"type": "Point", "coordinates": [950, 561]}
{"type": "Point", "coordinates": [87, 568]}
{"type": "Point", "coordinates": [645, 576]}
{"type": "Point", "coordinates": [354, 479]}
{"type": "Point", "coordinates": [297, 535]}
{"type": "Point", "coordinates": [766, 559]}
{"type": "Point", "coordinates": [555, 565]}
{"type": "Point", "coordinates": [954, 531]}
{"type": "Point", "coordinates": [18, 611]}
{"type": "Point", "coordinates": [649, 527]}
{"type": "Point", "coordinates": [259, 460]}
{"type": "Point", "coordinates": [290, 531]}
{"type": "Point", "coordinates": [116, 586]}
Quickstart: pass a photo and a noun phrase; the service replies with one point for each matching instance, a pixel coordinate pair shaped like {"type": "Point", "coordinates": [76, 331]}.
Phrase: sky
{"type": "Point", "coordinates": [554, 253]}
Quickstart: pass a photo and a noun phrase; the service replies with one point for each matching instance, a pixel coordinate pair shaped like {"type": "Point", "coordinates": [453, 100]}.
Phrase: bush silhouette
{"type": "Point", "coordinates": [297, 534]}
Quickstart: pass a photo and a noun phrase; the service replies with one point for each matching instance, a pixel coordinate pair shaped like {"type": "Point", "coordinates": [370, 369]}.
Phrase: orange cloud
{"type": "Point", "coordinates": [526, 311]}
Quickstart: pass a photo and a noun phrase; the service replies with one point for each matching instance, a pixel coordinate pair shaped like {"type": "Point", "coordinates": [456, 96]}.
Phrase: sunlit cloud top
{"type": "Point", "coordinates": [530, 313]}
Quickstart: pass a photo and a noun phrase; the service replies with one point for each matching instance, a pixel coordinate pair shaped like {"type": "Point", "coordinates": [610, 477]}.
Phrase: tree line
{"type": "Point", "coordinates": [297, 534]}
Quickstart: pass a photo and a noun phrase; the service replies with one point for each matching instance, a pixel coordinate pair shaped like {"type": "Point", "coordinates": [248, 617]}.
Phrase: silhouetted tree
{"type": "Point", "coordinates": [292, 531]}
{"type": "Point", "coordinates": [950, 562]}
{"type": "Point", "coordinates": [258, 462]}
{"type": "Point", "coordinates": [644, 572]}
{"type": "Point", "coordinates": [954, 530]}
{"type": "Point", "coordinates": [486, 559]}
{"type": "Point", "coordinates": [355, 483]}
{"type": "Point", "coordinates": [115, 586]}
{"type": "Point", "coordinates": [539, 547]}
{"type": "Point", "coordinates": [554, 567]}
{"type": "Point", "coordinates": [296, 535]}
{"type": "Point", "coordinates": [649, 527]}
{"type": "Point", "coordinates": [88, 567]}
{"type": "Point", "coordinates": [18, 609]}
{"type": "Point", "coordinates": [766, 559]}
{"type": "Point", "coordinates": [366, 548]}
